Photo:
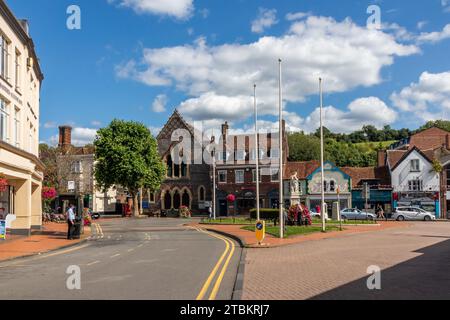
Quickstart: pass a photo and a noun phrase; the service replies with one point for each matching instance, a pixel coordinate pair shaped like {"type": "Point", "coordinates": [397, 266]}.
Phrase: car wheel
{"type": "Point", "coordinates": [400, 218]}
{"type": "Point", "coordinates": [343, 217]}
{"type": "Point", "coordinates": [427, 218]}
{"type": "Point", "coordinates": [370, 218]}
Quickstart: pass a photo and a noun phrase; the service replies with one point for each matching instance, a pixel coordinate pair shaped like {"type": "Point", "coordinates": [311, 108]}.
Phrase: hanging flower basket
{"type": "Point", "coordinates": [231, 198]}
{"type": "Point", "coordinates": [3, 184]}
{"type": "Point", "coordinates": [48, 193]}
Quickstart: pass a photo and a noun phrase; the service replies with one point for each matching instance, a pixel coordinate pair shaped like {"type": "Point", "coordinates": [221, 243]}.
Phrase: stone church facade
{"type": "Point", "coordinates": [186, 184]}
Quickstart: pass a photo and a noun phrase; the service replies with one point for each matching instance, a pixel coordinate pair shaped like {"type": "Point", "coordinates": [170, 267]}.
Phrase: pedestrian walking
{"type": "Point", "coordinates": [380, 212]}
{"type": "Point", "coordinates": [210, 212]}
{"type": "Point", "coordinates": [70, 222]}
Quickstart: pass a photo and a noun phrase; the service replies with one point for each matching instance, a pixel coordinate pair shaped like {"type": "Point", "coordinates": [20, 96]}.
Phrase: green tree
{"type": "Point", "coordinates": [303, 147]}
{"type": "Point", "coordinates": [48, 155]}
{"type": "Point", "coordinates": [441, 124]}
{"type": "Point", "coordinates": [126, 154]}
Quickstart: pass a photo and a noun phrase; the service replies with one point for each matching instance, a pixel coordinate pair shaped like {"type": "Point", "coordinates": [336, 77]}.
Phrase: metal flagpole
{"type": "Point", "coordinates": [256, 154]}
{"type": "Point", "coordinates": [280, 171]}
{"type": "Point", "coordinates": [214, 183]}
{"type": "Point", "coordinates": [322, 157]}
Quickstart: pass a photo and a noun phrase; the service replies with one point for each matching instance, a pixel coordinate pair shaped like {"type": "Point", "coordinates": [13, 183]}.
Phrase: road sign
{"type": "Point", "coordinates": [260, 231]}
{"type": "Point", "coordinates": [3, 229]}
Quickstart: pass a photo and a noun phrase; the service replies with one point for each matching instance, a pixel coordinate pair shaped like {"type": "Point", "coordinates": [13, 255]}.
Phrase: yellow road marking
{"type": "Point", "coordinates": [222, 273]}
{"type": "Point", "coordinates": [210, 278]}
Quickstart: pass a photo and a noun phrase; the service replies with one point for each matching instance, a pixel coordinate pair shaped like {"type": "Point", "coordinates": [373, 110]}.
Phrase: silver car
{"type": "Point", "coordinates": [356, 214]}
{"type": "Point", "coordinates": [413, 213]}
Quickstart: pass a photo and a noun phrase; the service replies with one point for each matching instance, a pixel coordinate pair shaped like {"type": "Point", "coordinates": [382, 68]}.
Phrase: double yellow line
{"type": "Point", "coordinates": [229, 250]}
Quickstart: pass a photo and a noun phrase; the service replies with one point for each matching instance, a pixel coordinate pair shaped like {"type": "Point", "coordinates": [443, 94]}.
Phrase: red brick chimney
{"type": "Point", "coordinates": [65, 137]}
{"type": "Point", "coordinates": [381, 158]}
{"type": "Point", "coordinates": [225, 128]}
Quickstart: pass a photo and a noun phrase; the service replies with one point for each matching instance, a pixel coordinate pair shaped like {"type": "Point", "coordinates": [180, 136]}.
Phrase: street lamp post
{"type": "Point", "coordinates": [256, 154]}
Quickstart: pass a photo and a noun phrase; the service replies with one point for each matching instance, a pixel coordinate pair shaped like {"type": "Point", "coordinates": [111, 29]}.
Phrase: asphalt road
{"type": "Point", "coordinates": [130, 259]}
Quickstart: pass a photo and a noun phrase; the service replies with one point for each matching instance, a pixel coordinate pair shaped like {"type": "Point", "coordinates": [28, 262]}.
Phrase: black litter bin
{"type": "Point", "coordinates": [77, 230]}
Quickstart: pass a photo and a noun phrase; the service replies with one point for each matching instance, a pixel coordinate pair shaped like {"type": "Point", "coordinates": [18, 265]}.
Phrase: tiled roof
{"type": "Point", "coordinates": [381, 174]}
{"type": "Point", "coordinates": [394, 156]}
{"type": "Point", "coordinates": [303, 169]}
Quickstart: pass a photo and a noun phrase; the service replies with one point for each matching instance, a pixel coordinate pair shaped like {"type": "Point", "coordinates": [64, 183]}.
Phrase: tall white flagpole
{"type": "Point", "coordinates": [214, 179]}
{"type": "Point", "coordinates": [256, 154]}
{"type": "Point", "coordinates": [322, 158]}
{"type": "Point", "coordinates": [280, 171]}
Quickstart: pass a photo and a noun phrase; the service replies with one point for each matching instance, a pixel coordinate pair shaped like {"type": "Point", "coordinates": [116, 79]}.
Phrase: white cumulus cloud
{"type": "Point", "coordinates": [266, 18]}
{"type": "Point", "coordinates": [180, 9]}
{"type": "Point", "coordinates": [360, 112]}
{"type": "Point", "coordinates": [218, 80]}
{"type": "Point", "coordinates": [428, 99]}
{"type": "Point", "coordinates": [436, 36]}
{"type": "Point", "coordinates": [159, 104]}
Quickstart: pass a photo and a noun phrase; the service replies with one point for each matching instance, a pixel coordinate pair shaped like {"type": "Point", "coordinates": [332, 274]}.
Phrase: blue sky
{"type": "Point", "coordinates": [140, 59]}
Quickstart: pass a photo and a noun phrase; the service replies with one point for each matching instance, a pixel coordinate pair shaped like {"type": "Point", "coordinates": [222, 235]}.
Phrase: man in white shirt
{"type": "Point", "coordinates": [70, 222]}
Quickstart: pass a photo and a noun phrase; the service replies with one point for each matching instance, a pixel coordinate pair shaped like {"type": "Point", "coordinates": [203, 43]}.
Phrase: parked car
{"type": "Point", "coordinates": [356, 214]}
{"type": "Point", "coordinates": [413, 213]}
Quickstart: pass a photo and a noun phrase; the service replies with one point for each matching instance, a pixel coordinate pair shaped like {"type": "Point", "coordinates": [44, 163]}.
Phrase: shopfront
{"type": "Point", "coordinates": [6, 202]}
{"type": "Point", "coordinates": [382, 197]}
{"type": "Point", "coordinates": [428, 201]}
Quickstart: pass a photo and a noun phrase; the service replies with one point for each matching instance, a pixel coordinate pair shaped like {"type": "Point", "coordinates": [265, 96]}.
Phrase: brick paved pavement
{"type": "Point", "coordinates": [52, 237]}
{"type": "Point", "coordinates": [415, 264]}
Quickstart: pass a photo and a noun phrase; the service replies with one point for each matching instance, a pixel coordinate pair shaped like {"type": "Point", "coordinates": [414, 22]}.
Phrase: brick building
{"type": "Point", "coordinates": [236, 170]}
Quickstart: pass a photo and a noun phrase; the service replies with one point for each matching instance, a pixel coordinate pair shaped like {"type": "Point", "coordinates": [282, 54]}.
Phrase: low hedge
{"type": "Point", "coordinates": [266, 214]}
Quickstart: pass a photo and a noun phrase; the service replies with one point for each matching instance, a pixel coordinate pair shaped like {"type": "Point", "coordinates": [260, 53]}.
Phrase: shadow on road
{"type": "Point", "coordinates": [424, 277]}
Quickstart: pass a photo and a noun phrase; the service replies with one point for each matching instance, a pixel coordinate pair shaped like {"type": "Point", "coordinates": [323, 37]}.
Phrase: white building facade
{"type": "Point", "coordinates": [20, 83]}
{"type": "Point", "coordinates": [415, 182]}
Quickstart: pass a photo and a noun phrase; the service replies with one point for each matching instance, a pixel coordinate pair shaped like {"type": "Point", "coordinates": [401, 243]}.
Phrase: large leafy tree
{"type": "Point", "coordinates": [127, 155]}
{"type": "Point", "coordinates": [48, 156]}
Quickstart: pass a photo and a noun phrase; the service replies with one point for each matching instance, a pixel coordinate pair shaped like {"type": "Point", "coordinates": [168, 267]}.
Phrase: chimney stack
{"type": "Point", "coordinates": [65, 137]}
{"type": "Point", "coordinates": [381, 158]}
{"type": "Point", "coordinates": [447, 142]}
{"type": "Point", "coordinates": [225, 128]}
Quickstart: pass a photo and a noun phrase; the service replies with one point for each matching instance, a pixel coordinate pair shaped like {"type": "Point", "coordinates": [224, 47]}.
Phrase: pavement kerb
{"type": "Point", "coordinates": [242, 244]}
{"type": "Point", "coordinates": [66, 246]}
{"type": "Point", "coordinates": [239, 281]}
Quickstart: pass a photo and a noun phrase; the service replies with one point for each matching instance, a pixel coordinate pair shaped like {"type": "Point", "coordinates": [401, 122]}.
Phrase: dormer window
{"type": "Point", "coordinates": [261, 154]}
{"type": "Point", "coordinates": [223, 156]}
{"type": "Point", "coordinates": [240, 155]}
{"type": "Point", "coordinates": [274, 153]}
